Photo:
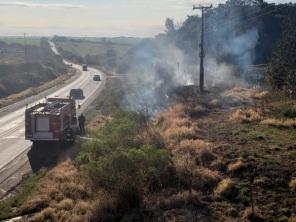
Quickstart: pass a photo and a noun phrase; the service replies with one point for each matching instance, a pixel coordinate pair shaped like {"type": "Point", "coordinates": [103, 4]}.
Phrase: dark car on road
{"type": "Point", "coordinates": [97, 78]}
{"type": "Point", "coordinates": [76, 94]}
{"type": "Point", "coordinates": [84, 67]}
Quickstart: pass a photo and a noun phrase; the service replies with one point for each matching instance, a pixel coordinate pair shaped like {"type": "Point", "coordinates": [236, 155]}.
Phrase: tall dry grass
{"type": "Point", "coordinates": [64, 194]}
{"type": "Point", "coordinates": [246, 116]}
{"type": "Point", "coordinates": [292, 184]}
{"type": "Point", "coordinates": [226, 189]}
{"type": "Point", "coordinates": [244, 95]}
{"type": "Point", "coordinates": [280, 123]}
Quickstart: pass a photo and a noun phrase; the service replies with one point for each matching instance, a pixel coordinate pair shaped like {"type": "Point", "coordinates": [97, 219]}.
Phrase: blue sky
{"type": "Point", "coordinates": [141, 18]}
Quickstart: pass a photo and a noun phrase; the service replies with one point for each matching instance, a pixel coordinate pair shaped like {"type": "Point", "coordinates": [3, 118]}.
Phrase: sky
{"type": "Point", "coordinates": [94, 18]}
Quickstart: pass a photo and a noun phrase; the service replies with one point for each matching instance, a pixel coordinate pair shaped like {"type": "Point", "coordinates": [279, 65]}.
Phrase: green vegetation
{"type": "Point", "coordinates": [116, 161]}
{"type": "Point", "coordinates": [9, 206]}
{"type": "Point", "coordinates": [104, 52]}
{"type": "Point", "coordinates": [21, 41]}
{"type": "Point", "coordinates": [283, 63]}
{"type": "Point", "coordinates": [93, 48]}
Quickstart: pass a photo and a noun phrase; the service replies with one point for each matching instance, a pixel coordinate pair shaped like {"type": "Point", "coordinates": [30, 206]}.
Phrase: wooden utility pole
{"type": "Point", "coordinates": [25, 47]}
{"type": "Point", "coordinates": [202, 52]}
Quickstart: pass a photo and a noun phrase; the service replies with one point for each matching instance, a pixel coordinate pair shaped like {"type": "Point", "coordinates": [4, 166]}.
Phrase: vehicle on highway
{"type": "Point", "coordinates": [97, 78]}
{"type": "Point", "coordinates": [52, 120]}
{"type": "Point", "coordinates": [76, 94]}
{"type": "Point", "coordinates": [84, 67]}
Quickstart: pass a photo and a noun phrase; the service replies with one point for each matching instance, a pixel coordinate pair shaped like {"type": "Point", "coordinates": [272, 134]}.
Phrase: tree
{"type": "Point", "coordinates": [170, 26]}
{"type": "Point", "coordinates": [282, 68]}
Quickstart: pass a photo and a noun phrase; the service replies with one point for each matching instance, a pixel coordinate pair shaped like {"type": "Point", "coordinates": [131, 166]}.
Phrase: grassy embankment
{"type": "Point", "coordinates": [26, 74]}
{"type": "Point", "coordinates": [206, 157]}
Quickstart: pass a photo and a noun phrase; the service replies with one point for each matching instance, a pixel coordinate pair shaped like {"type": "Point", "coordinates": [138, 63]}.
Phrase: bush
{"type": "Point", "coordinates": [130, 166]}
{"type": "Point", "coordinates": [289, 113]}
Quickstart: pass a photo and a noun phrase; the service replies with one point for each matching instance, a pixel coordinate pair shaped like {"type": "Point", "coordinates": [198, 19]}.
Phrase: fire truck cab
{"type": "Point", "coordinates": [52, 120]}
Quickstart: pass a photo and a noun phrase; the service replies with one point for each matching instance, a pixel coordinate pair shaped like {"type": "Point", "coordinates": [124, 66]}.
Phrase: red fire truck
{"type": "Point", "coordinates": [52, 120]}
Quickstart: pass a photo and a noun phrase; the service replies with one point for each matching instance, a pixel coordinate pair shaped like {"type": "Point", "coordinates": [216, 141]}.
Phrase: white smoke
{"type": "Point", "coordinates": [158, 66]}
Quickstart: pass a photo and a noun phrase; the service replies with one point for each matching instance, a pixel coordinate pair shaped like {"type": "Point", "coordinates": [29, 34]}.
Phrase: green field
{"type": "Point", "coordinates": [94, 48]}
{"type": "Point", "coordinates": [20, 40]}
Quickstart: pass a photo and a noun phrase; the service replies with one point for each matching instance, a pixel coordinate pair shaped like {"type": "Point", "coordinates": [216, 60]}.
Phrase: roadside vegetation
{"type": "Point", "coordinates": [20, 196]}
{"type": "Point", "coordinates": [27, 70]}
{"type": "Point", "coordinates": [106, 53]}
{"type": "Point", "coordinates": [228, 154]}
{"type": "Point", "coordinates": [183, 164]}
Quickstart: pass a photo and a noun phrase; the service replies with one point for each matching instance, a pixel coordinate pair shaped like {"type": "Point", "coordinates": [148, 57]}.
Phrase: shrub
{"type": "Point", "coordinates": [289, 113]}
{"type": "Point", "coordinates": [128, 196]}
{"type": "Point", "coordinates": [122, 165]}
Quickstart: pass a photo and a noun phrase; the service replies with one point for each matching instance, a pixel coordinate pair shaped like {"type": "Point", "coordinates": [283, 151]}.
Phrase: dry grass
{"type": "Point", "coordinates": [243, 94]}
{"type": "Point", "coordinates": [96, 124]}
{"type": "Point", "coordinates": [236, 167]}
{"type": "Point", "coordinates": [63, 195]}
{"type": "Point", "coordinates": [246, 116]}
{"type": "Point", "coordinates": [205, 179]}
{"type": "Point", "coordinates": [280, 123]}
{"type": "Point", "coordinates": [173, 136]}
{"type": "Point", "coordinates": [292, 184]}
{"type": "Point", "coordinates": [175, 201]}
{"type": "Point", "coordinates": [33, 91]}
{"type": "Point", "coordinates": [226, 189]}
{"type": "Point", "coordinates": [252, 216]}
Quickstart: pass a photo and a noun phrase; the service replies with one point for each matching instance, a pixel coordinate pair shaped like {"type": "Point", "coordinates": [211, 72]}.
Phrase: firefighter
{"type": "Point", "coordinates": [81, 121]}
